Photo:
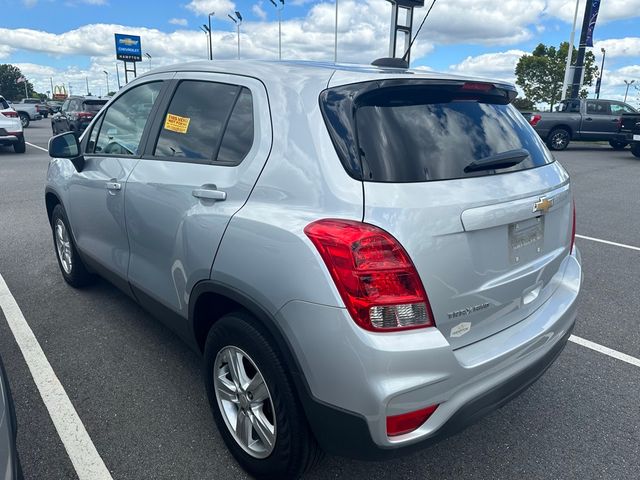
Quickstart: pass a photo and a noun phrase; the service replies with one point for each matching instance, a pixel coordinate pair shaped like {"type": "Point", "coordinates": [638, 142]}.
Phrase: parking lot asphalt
{"type": "Point", "coordinates": [137, 388]}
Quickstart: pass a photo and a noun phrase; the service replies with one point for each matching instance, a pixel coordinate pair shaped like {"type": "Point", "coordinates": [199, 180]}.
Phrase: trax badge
{"type": "Point", "coordinates": [543, 205]}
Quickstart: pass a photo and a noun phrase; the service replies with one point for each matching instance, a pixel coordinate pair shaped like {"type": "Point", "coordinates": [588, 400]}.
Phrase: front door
{"type": "Point", "coordinates": [96, 194]}
{"type": "Point", "coordinates": [202, 159]}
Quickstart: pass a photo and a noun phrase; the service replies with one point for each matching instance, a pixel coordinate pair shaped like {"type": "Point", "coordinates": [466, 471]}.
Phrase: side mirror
{"type": "Point", "coordinates": [66, 145]}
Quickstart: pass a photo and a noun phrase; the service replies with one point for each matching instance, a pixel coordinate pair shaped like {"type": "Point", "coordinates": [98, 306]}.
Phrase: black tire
{"type": "Point", "coordinates": [20, 147]}
{"type": "Point", "coordinates": [77, 274]}
{"type": "Point", "coordinates": [295, 450]}
{"type": "Point", "coordinates": [558, 139]}
{"type": "Point", "coordinates": [635, 149]}
{"type": "Point", "coordinates": [616, 145]}
{"type": "Point", "coordinates": [24, 118]}
{"type": "Point", "coordinates": [53, 129]}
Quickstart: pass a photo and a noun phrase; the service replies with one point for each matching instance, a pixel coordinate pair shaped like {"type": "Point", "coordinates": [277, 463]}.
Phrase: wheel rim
{"type": "Point", "coordinates": [24, 121]}
{"type": "Point", "coordinates": [559, 140]}
{"type": "Point", "coordinates": [245, 402]}
{"type": "Point", "coordinates": [63, 246]}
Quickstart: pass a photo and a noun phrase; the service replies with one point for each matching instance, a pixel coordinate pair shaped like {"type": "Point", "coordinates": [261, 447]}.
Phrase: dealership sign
{"type": "Point", "coordinates": [128, 48]}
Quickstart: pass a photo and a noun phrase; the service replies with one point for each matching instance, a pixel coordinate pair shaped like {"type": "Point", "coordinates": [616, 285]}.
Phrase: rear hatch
{"type": "Point", "coordinates": [462, 181]}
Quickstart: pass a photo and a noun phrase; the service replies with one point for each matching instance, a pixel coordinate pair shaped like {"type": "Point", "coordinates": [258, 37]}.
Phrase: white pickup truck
{"type": "Point", "coordinates": [28, 111]}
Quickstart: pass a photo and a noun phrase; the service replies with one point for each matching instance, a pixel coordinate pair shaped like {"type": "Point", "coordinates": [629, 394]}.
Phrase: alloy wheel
{"type": "Point", "coordinates": [245, 402]}
{"type": "Point", "coordinates": [63, 246]}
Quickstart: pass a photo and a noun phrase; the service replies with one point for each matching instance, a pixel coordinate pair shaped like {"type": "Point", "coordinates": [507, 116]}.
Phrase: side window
{"type": "Point", "coordinates": [91, 145]}
{"type": "Point", "coordinates": [598, 108]}
{"type": "Point", "coordinates": [65, 105]}
{"type": "Point", "coordinates": [195, 120]}
{"type": "Point", "coordinates": [238, 137]}
{"type": "Point", "coordinates": [124, 122]}
{"type": "Point", "coordinates": [618, 108]}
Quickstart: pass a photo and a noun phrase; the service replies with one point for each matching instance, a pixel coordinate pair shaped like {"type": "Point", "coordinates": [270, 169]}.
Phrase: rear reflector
{"type": "Point", "coordinates": [408, 422]}
{"type": "Point", "coordinates": [374, 275]}
{"type": "Point", "coordinates": [573, 228]}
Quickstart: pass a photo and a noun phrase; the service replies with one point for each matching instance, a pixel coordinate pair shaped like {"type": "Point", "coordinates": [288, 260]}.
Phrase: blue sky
{"type": "Point", "coordinates": [71, 40]}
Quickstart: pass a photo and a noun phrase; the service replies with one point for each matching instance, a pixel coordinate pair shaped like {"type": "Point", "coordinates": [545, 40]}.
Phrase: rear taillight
{"type": "Point", "coordinates": [573, 228]}
{"type": "Point", "coordinates": [374, 275]}
{"type": "Point", "coordinates": [408, 422]}
{"type": "Point", "coordinates": [477, 87]}
{"type": "Point", "coordinates": [534, 119]}
{"type": "Point", "coordinates": [85, 115]}
{"type": "Point", "coordinates": [10, 114]}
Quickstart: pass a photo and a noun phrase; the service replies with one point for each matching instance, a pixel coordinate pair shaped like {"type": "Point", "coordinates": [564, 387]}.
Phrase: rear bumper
{"type": "Point", "coordinates": [356, 379]}
{"type": "Point", "coordinates": [10, 139]}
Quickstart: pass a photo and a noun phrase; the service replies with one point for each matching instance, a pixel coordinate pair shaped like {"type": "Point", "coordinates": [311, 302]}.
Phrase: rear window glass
{"type": "Point", "coordinates": [3, 104]}
{"type": "Point", "coordinates": [93, 105]}
{"type": "Point", "coordinates": [414, 134]}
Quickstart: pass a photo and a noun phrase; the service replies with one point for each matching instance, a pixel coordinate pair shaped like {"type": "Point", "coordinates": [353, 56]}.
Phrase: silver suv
{"type": "Point", "coordinates": [368, 259]}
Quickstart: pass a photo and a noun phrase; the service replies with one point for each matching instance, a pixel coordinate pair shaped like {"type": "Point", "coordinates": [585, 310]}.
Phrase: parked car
{"type": "Point", "coordinates": [75, 114]}
{"type": "Point", "coordinates": [54, 106]}
{"type": "Point", "coordinates": [581, 120]}
{"type": "Point", "coordinates": [630, 131]}
{"type": "Point", "coordinates": [11, 133]}
{"type": "Point", "coordinates": [367, 260]}
{"type": "Point", "coordinates": [28, 112]}
{"type": "Point", "coordinates": [41, 106]}
{"type": "Point", "coordinates": [9, 461]}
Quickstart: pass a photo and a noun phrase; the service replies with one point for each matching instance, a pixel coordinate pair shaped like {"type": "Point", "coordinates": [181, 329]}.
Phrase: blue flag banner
{"type": "Point", "coordinates": [595, 8]}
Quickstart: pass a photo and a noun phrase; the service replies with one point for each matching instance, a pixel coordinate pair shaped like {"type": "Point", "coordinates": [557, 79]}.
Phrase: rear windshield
{"type": "Point", "coordinates": [3, 104]}
{"type": "Point", "coordinates": [426, 133]}
{"type": "Point", "coordinates": [93, 105]}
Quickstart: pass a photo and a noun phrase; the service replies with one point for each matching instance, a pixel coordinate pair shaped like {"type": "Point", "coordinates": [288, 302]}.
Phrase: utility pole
{"type": "Point", "coordinates": [599, 82]}
{"type": "Point", "coordinates": [629, 83]}
{"type": "Point", "coordinates": [210, 40]}
{"type": "Point", "coordinates": [577, 73]}
{"type": "Point", "coordinates": [52, 91]}
{"type": "Point", "coordinates": [86, 79]}
{"type": "Point", "coordinates": [280, 8]}
{"type": "Point", "coordinates": [567, 71]}
{"type": "Point", "coordinates": [207, 32]}
{"type": "Point", "coordinates": [149, 57]}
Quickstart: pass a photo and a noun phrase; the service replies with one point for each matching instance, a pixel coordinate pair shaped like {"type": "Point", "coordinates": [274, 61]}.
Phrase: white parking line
{"type": "Point", "coordinates": [605, 350]}
{"type": "Point", "coordinates": [630, 247]}
{"type": "Point", "coordinates": [83, 454]}
{"type": "Point", "coordinates": [37, 146]}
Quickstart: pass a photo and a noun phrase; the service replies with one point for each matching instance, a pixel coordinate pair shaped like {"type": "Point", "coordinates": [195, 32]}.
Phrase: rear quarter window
{"type": "Point", "coordinates": [413, 133]}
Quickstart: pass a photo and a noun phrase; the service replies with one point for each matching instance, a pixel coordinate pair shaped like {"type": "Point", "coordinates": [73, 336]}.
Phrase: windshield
{"type": "Point", "coordinates": [417, 134]}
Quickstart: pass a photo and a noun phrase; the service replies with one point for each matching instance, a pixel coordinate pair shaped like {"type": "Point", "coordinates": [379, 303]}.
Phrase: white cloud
{"type": "Point", "coordinates": [259, 11]}
{"type": "Point", "coordinates": [179, 21]}
{"type": "Point", "coordinates": [205, 7]}
{"type": "Point", "coordinates": [499, 65]}
{"type": "Point", "coordinates": [609, 10]}
{"type": "Point", "coordinates": [620, 47]}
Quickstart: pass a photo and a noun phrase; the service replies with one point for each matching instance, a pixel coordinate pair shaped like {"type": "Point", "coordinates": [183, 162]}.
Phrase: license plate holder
{"type": "Point", "coordinates": [526, 239]}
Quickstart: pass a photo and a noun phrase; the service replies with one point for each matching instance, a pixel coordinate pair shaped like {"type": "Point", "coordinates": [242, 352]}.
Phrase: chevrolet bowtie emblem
{"type": "Point", "coordinates": [543, 205]}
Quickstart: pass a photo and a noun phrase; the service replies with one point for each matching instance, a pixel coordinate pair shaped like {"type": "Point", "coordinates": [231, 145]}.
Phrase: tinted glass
{"type": "Point", "coordinates": [598, 108]}
{"type": "Point", "coordinates": [417, 134]}
{"type": "Point", "coordinates": [3, 104]}
{"type": "Point", "coordinates": [195, 120]}
{"type": "Point", "coordinates": [91, 145]}
{"type": "Point", "coordinates": [570, 106]}
{"type": "Point", "coordinates": [65, 105]}
{"type": "Point", "coordinates": [93, 105]}
{"type": "Point", "coordinates": [125, 120]}
{"type": "Point", "coordinates": [238, 137]}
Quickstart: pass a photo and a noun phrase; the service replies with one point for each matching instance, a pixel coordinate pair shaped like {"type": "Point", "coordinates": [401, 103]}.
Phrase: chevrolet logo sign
{"type": "Point", "coordinates": [128, 41]}
{"type": "Point", "coordinates": [543, 205]}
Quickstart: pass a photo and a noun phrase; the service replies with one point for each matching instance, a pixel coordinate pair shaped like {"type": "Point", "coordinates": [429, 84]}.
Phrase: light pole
{"type": "Point", "coordinates": [567, 72]}
{"type": "Point", "coordinates": [279, 8]}
{"type": "Point", "coordinates": [238, 22]}
{"type": "Point", "coordinates": [106, 74]}
{"type": "Point", "coordinates": [86, 79]}
{"type": "Point", "coordinates": [599, 82]}
{"type": "Point", "coordinates": [207, 32]}
{"type": "Point", "coordinates": [629, 83]}
{"type": "Point", "coordinates": [210, 40]}
{"type": "Point", "coordinates": [335, 45]}
{"type": "Point", "coordinates": [149, 57]}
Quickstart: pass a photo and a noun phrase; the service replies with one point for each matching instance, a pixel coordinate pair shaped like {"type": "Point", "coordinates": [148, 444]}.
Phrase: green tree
{"type": "Point", "coordinates": [523, 104]}
{"type": "Point", "coordinates": [541, 74]}
{"type": "Point", "coordinates": [9, 75]}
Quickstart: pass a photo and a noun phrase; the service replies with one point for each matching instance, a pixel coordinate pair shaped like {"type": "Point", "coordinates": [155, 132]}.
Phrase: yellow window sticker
{"type": "Point", "coordinates": [176, 123]}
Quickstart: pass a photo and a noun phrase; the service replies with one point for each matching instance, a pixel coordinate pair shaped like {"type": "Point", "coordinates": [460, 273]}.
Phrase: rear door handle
{"type": "Point", "coordinates": [588, 119]}
{"type": "Point", "coordinates": [114, 186]}
{"type": "Point", "coordinates": [210, 193]}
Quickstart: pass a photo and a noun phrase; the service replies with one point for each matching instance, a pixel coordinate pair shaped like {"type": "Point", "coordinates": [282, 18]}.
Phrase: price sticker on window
{"type": "Point", "coordinates": [175, 123]}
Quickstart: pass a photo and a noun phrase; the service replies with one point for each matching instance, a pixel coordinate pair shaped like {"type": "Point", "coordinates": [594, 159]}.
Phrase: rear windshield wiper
{"type": "Point", "coordinates": [501, 160]}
